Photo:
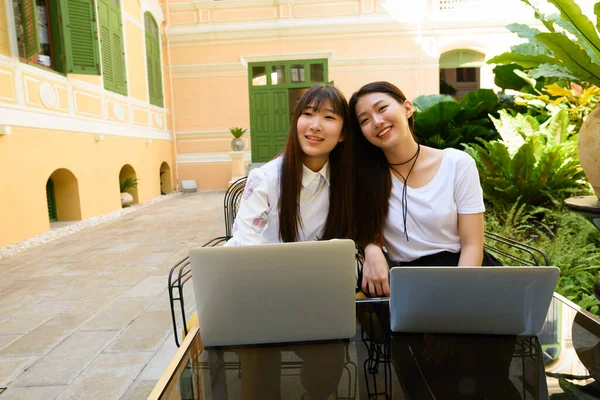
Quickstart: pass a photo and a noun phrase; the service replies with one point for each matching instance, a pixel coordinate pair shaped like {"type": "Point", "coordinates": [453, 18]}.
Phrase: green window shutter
{"type": "Point", "coordinates": [118, 55]}
{"type": "Point", "coordinates": [30, 31]}
{"type": "Point", "coordinates": [155, 90]}
{"type": "Point", "coordinates": [80, 36]}
{"type": "Point", "coordinates": [150, 65]}
{"type": "Point", "coordinates": [158, 91]}
{"type": "Point", "coordinates": [106, 46]}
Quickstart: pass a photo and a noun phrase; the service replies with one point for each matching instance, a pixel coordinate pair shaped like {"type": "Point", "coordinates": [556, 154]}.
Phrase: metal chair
{"type": "Point", "coordinates": [181, 272]}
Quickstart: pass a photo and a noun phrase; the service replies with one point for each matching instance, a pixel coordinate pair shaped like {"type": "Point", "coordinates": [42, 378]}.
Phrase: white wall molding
{"type": "Point", "coordinates": [132, 20]}
{"type": "Point", "coordinates": [38, 119]}
{"type": "Point", "coordinates": [217, 133]}
{"type": "Point", "coordinates": [208, 67]}
{"type": "Point", "coordinates": [210, 158]}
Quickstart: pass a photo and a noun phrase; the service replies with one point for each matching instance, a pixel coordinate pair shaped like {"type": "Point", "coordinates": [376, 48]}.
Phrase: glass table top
{"type": "Point", "coordinates": [563, 362]}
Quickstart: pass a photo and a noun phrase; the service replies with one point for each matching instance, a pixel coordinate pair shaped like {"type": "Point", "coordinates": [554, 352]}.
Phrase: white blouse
{"type": "Point", "coordinates": [257, 220]}
{"type": "Point", "coordinates": [432, 220]}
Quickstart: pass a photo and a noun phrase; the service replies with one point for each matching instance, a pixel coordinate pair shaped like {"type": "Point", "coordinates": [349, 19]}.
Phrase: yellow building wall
{"type": "Point", "coordinates": [30, 156]}
{"type": "Point", "coordinates": [136, 62]}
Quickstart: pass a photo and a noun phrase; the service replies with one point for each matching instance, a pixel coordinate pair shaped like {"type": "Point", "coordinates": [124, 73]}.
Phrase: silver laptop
{"type": "Point", "coordinates": [477, 300]}
{"type": "Point", "coordinates": [273, 293]}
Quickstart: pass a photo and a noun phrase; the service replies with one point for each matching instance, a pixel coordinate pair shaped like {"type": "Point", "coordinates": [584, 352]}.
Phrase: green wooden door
{"type": "Point", "coordinates": [269, 121]}
{"type": "Point", "coordinates": [51, 200]}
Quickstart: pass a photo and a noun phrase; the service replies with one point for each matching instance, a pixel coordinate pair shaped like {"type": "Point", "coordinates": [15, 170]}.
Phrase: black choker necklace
{"type": "Point", "coordinates": [415, 157]}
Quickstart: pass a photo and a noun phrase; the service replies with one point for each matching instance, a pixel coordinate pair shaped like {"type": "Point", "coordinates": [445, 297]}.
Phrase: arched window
{"type": "Point", "coordinates": [460, 72]}
{"type": "Point", "coordinates": [155, 90]}
{"type": "Point", "coordinates": [111, 46]}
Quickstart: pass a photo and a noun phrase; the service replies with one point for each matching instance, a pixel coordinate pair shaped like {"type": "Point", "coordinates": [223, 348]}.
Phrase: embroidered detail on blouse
{"type": "Point", "coordinates": [251, 184]}
{"type": "Point", "coordinates": [259, 223]}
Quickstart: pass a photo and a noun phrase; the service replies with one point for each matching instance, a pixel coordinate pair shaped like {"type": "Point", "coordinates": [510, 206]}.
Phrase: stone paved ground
{"type": "Point", "coordinates": [87, 316]}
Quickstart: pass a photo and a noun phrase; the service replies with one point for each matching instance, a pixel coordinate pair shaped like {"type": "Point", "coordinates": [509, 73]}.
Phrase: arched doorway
{"type": "Point", "coordinates": [128, 182]}
{"type": "Point", "coordinates": [166, 186]}
{"type": "Point", "coordinates": [460, 72]}
{"type": "Point", "coordinates": [62, 196]}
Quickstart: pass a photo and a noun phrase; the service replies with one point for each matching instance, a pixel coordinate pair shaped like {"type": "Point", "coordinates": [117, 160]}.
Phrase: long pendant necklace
{"type": "Point", "coordinates": [404, 199]}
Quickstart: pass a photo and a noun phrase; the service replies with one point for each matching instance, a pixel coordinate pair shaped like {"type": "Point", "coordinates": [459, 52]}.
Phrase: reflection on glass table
{"type": "Point", "coordinates": [563, 362]}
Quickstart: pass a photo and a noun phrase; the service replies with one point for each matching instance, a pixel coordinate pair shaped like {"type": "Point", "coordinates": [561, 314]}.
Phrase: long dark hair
{"type": "Point", "coordinates": [373, 180]}
{"type": "Point", "coordinates": [339, 217]}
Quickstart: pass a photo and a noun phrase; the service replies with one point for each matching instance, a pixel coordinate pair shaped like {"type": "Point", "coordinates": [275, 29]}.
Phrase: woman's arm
{"type": "Point", "coordinates": [375, 281]}
{"type": "Point", "coordinates": [253, 214]}
{"type": "Point", "coordinates": [470, 231]}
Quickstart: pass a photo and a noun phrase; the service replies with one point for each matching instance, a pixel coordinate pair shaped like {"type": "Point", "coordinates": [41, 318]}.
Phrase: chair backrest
{"type": "Point", "coordinates": [512, 252]}
{"type": "Point", "coordinates": [231, 203]}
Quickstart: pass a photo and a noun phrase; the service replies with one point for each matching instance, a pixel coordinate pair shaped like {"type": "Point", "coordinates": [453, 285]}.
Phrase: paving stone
{"type": "Point", "coordinates": [108, 377]}
{"type": "Point", "coordinates": [159, 362]}
{"type": "Point", "coordinates": [119, 314]}
{"type": "Point", "coordinates": [42, 338]}
{"type": "Point", "coordinates": [11, 367]}
{"type": "Point", "coordinates": [152, 286]}
{"type": "Point", "coordinates": [66, 360]}
{"type": "Point", "coordinates": [32, 393]}
{"type": "Point", "coordinates": [115, 273]}
{"type": "Point", "coordinates": [145, 333]}
{"type": "Point", "coordinates": [139, 390]}
{"type": "Point", "coordinates": [6, 339]}
{"type": "Point", "coordinates": [32, 317]}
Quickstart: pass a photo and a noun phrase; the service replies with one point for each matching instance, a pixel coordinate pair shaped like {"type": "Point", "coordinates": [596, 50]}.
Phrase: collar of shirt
{"type": "Point", "coordinates": [308, 175]}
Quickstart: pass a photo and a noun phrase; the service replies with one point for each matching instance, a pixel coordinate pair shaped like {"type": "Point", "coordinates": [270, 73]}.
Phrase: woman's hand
{"type": "Point", "coordinates": [375, 281]}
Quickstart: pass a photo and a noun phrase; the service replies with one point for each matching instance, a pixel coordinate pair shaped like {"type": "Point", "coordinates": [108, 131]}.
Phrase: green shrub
{"type": "Point", "coordinates": [568, 239]}
{"type": "Point", "coordinates": [442, 122]}
{"type": "Point", "coordinates": [129, 182]}
{"type": "Point", "coordinates": [533, 164]}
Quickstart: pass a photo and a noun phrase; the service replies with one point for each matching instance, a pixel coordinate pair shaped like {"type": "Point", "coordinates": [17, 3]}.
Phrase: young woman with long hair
{"type": "Point", "coordinates": [423, 204]}
{"type": "Point", "coordinates": [304, 193]}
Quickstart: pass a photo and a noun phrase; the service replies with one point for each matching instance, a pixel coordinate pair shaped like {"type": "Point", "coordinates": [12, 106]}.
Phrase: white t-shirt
{"type": "Point", "coordinates": [432, 220]}
{"type": "Point", "coordinates": [257, 220]}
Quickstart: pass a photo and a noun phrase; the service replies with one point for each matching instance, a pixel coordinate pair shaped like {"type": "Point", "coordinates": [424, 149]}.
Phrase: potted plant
{"type": "Point", "coordinates": [128, 183]}
{"type": "Point", "coordinates": [237, 144]}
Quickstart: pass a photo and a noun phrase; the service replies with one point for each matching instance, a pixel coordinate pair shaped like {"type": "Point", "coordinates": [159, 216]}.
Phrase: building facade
{"type": "Point", "coordinates": [93, 92]}
{"type": "Point", "coordinates": [81, 110]}
{"type": "Point", "coordinates": [246, 62]}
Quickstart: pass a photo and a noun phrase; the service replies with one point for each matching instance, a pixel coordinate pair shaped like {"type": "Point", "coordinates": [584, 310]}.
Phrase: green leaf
{"type": "Point", "coordinates": [569, 27]}
{"type": "Point", "coordinates": [571, 13]}
{"type": "Point", "coordinates": [550, 71]}
{"type": "Point", "coordinates": [524, 31]}
{"type": "Point", "coordinates": [572, 56]}
{"type": "Point", "coordinates": [597, 12]}
{"type": "Point", "coordinates": [540, 16]}
{"type": "Point", "coordinates": [530, 49]}
{"type": "Point", "coordinates": [556, 128]}
{"type": "Point", "coordinates": [524, 60]}
{"type": "Point", "coordinates": [505, 78]}
{"type": "Point", "coordinates": [435, 119]}
{"type": "Point", "coordinates": [424, 102]}
{"type": "Point", "coordinates": [486, 97]}
{"type": "Point", "coordinates": [525, 77]}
